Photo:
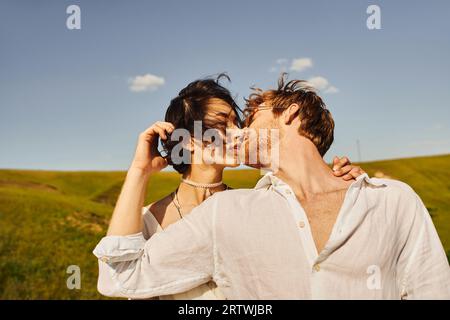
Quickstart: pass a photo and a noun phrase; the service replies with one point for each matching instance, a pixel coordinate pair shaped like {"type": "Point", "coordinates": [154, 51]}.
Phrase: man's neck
{"type": "Point", "coordinates": [307, 174]}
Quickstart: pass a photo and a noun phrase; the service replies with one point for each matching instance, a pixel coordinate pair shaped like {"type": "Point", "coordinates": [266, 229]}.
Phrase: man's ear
{"type": "Point", "coordinates": [290, 113]}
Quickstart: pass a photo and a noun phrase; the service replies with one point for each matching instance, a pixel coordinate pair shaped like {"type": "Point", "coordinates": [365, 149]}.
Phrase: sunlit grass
{"type": "Point", "coordinates": [50, 220]}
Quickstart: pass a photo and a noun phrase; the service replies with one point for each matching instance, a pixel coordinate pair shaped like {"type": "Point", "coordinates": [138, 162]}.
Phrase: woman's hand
{"type": "Point", "coordinates": [342, 167]}
{"type": "Point", "coordinates": [147, 157]}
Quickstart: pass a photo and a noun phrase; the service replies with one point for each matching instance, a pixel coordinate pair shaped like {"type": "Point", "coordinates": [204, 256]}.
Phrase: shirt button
{"type": "Point", "coordinates": [104, 259]}
{"type": "Point", "coordinates": [316, 267]}
{"type": "Point", "coordinates": [287, 191]}
{"type": "Point", "coordinates": [301, 224]}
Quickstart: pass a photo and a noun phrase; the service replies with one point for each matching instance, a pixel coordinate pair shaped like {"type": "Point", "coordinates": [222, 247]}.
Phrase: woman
{"type": "Point", "coordinates": [202, 100]}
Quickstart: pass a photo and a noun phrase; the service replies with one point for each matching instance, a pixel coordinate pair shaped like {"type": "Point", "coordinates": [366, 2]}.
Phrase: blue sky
{"type": "Point", "coordinates": [66, 103]}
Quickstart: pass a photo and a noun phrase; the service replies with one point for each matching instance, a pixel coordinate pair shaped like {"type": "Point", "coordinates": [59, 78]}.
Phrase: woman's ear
{"type": "Point", "coordinates": [190, 145]}
{"type": "Point", "coordinates": [291, 113]}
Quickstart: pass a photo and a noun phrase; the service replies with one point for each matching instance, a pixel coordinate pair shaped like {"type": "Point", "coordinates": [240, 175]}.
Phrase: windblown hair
{"type": "Point", "coordinates": [192, 104]}
{"type": "Point", "coordinates": [316, 124]}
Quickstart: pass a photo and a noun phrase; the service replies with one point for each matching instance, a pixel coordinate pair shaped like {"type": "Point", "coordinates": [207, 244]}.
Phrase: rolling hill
{"type": "Point", "coordinates": [50, 220]}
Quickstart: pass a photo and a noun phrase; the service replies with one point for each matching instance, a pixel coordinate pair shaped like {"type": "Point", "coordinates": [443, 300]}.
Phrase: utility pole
{"type": "Point", "coordinates": [358, 149]}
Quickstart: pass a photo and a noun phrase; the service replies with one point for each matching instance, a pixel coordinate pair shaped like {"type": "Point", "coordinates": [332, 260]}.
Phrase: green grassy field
{"type": "Point", "coordinates": [50, 220]}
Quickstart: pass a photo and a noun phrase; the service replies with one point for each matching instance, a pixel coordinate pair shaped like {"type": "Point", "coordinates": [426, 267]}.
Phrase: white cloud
{"type": "Point", "coordinates": [301, 64]}
{"type": "Point", "coordinates": [322, 84]}
{"type": "Point", "coordinates": [331, 89]}
{"type": "Point", "coordinates": [281, 61]}
{"type": "Point", "coordinates": [281, 65]}
{"type": "Point", "coordinates": [146, 82]}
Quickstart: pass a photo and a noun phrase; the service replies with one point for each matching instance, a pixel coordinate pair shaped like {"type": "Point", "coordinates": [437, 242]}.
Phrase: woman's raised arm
{"type": "Point", "coordinates": [127, 215]}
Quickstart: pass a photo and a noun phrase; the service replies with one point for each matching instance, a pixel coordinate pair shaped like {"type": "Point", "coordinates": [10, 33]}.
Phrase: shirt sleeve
{"type": "Point", "coordinates": [174, 260]}
{"type": "Point", "coordinates": [423, 267]}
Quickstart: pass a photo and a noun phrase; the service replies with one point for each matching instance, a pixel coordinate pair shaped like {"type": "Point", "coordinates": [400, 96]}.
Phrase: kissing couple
{"type": "Point", "coordinates": [305, 231]}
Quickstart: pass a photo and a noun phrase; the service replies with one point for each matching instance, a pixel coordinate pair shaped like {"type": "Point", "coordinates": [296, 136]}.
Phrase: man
{"type": "Point", "coordinates": [301, 233]}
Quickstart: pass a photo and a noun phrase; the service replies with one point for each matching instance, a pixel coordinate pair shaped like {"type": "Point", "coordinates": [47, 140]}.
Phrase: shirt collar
{"type": "Point", "coordinates": [269, 179]}
{"type": "Point", "coordinates": [371, 181]}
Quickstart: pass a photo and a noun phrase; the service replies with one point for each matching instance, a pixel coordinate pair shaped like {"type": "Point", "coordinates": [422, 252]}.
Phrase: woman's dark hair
{"type": "Point", "coordinates": [191, 105]}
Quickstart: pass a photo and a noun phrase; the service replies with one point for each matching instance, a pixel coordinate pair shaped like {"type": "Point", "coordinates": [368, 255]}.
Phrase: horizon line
{"type": "Point", "coordinates": [241, 167]}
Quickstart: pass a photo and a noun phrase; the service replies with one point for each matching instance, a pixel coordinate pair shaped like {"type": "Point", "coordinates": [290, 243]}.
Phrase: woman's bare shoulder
{"type": "Point", "coordinates": [159, 208]}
